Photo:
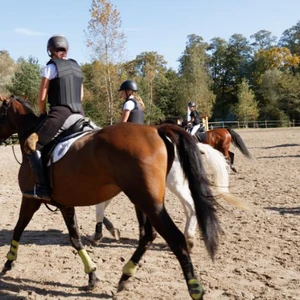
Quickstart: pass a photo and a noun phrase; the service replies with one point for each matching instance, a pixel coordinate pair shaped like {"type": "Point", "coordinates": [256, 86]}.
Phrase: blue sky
{"type": "Point", "coordinates": [149, 25]}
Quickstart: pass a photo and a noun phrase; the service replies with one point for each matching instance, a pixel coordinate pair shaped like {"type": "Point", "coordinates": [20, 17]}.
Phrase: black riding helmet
{"type": "Point", "coordinates": [128, 85]}
{"type": "Point", "coordinates": [191, 104]}
{"type": "Point", "coordinates": [57, 42]}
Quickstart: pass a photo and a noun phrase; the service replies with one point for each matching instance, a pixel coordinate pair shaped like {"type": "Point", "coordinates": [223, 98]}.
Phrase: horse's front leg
{"type": "Point", "coordinates": [27, 210]}
{"type": "Point", "coordinates": [71, 222]}
{"type": "Point", "coordinates": [145, 241]}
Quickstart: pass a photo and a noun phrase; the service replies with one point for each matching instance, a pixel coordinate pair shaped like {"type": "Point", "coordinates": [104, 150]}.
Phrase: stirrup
{"type": "Point", "coordinates": [35, 195]}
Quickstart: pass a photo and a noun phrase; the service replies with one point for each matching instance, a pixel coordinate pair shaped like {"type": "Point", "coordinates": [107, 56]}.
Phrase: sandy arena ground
{"type": "Point", "coordinates": [258, 257]}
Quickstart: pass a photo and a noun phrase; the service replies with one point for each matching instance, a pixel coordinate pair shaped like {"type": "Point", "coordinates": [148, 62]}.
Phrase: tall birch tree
{"type": "Point", "coordinates": [106, 40]}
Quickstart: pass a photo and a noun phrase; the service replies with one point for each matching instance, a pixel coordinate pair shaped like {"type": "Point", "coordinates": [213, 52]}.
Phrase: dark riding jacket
{"type": "Point", "coordinates": [65, 89]}
{"type": "Point", "coordinates": [137, 114]}
{"type": "Point", "coordinates": [194, 114]}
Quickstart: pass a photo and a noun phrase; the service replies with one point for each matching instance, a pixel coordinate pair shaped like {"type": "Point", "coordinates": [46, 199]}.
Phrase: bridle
{"type": "Point", "coordinates": [4, 114]}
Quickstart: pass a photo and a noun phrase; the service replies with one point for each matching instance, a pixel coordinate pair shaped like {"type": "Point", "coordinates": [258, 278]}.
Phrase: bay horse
{"type": "Point", "coordinates": [132, 158]}
{"type": "Point", "coordinates": [218, 138]}
{"type": "Point", "coordinates": [177, 184]}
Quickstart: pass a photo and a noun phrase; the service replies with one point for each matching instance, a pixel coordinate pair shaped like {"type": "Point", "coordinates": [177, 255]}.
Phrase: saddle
{"type": "Point", "coordinates": [201, 134]}
{"type": "Point", "coordinates": [80, 127]}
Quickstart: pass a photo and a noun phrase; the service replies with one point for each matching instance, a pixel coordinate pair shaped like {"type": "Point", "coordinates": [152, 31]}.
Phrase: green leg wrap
{"type": "Point", "coordinates": [195, 288]}
{"type": "Point", "coordinates": [13, 251]}
{"type": "Point", "coordinates": [89, 266]}
{"type": "Point", "coordinates": [129, 269]}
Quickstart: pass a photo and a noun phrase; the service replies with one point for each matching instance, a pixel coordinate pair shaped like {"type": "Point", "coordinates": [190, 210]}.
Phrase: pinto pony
{"type": "Point", "coordinates": [132, 158]}
{"type": "Point", "coordinates": [177, 184]}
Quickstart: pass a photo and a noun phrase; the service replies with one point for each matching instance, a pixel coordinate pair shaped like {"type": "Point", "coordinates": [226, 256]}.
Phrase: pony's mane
{"type": "Point", "coordinates": [26, 104]}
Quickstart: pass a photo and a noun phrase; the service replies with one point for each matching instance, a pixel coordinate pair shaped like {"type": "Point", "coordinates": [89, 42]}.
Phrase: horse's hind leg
{"type": "Point", "coordinates": [28, 208]}
{"type": "Point", "coordinates": [164, 225]}
{"type": "Point", "coordinates": [141, 220]}
{"type": "Point", "coordinates": [71, 222]}
{"type": "Point", "coordinates": [231, 158]}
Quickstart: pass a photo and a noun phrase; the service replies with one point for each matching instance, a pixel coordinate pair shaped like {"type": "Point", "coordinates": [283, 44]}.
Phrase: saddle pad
{"type": "Point", "coordinates": [62, 148]}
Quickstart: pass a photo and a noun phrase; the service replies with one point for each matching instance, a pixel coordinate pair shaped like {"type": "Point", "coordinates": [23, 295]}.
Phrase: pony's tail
{"type": "Point", "coordinates": [238, 142]}
{"type": "Point", "coordinates": [219, 167]}
{"type": "Point", "coordinates": [192, 166]}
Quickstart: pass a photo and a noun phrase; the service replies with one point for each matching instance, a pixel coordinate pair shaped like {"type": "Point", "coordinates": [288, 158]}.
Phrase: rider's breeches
{"type": "Point", "coordinates": [195, 128]}
{"type": "Point", "coordinates": [53, 124]}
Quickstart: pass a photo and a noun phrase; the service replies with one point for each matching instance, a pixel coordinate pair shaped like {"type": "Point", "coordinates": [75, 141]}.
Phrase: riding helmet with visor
{"type": "Point", "coordinates": [191, 104]}
{"type": "Point", "coordinates": [57, 42]}
{"type": "Point", "coordinates": [129, 85]}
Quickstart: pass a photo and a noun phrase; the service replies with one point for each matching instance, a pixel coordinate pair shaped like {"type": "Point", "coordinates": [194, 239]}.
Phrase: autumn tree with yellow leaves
{"type": "Point", "coordinates": [106, 40]}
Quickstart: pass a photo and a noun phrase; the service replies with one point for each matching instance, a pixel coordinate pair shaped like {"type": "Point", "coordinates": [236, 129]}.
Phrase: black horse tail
{"type": "Point", "coordinates": [193, 168]}
{"type": "Point", "coordinates": [238, 142]}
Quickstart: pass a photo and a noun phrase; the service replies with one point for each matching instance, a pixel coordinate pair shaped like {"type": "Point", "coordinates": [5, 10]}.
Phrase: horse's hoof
{"type": "Point", "coordinates": [93, 281]}
{"type": "Point", "coordinates": [7, 267]}
{"type": "Point", "coordinates": [95, 239]}
{"type": "Point", "coordinates": [123, 282]}
{"type": "Point", "coordinates": [115, 232]}
{"type": "Point", "coordinates": [121, 286]}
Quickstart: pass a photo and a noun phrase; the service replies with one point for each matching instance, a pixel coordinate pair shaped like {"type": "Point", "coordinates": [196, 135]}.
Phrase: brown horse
{"type": "Point", "coordinates": [218, 138]}
{"type": "Point", "coordinates": [124, 157]}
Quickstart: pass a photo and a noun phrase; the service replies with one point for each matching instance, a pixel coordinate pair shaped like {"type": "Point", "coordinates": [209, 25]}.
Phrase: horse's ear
{"type": "Point", "coordinates": [2, 98]}
{"type": "Point", "coordinates": [160, 121]}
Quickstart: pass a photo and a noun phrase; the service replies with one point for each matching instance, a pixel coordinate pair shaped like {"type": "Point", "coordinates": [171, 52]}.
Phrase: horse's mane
{"type": "Point", "coordinates": [26, 105]}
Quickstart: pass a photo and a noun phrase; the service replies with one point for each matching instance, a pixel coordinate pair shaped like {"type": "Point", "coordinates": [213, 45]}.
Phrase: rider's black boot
{"type": "Point", "coordinates": [41, 190]}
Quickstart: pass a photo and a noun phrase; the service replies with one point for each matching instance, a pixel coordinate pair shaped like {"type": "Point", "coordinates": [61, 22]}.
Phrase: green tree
{"type": "Point", "coordinates": [150, 67]}
{"type": "Point", "coordinates": [289, 89]}
{"type": "Point", "coordinates": [272, 58]}
{"type": "Point", "coordinates": [26, 80]}
{"type": "Point", "coordinates": [263, 39]}
{"type": "Point", "coordinates": [7, 70]}
{"type": "Point", "coordinates": [106, 41]}
{"type": "Point", "coordinates": [290, 39]}
{"type": "Point", "coordinates": [270, 95]}
{"type": "Point", "coordinates": [195, 80]}
{"type": "Point", "coordinates": [167, 95]}
{"type": "Point", "coordinates": [246, 108]}
{"type": "Point", "coordinates": [229, 64]}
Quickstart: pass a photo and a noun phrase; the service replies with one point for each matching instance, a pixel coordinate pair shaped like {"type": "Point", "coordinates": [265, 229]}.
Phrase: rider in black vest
{"type": "Point", "coordinates": [133, 111]}
{"type": "Point", "coordinates": [62, 83]}
{"type": "Point", "coordinates": [195, 118]}
{"type": "Point", "coordinates": [133, 106]}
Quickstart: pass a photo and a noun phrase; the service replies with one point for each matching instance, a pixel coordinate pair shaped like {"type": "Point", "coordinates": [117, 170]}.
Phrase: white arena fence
{"type": "Point", "coordinates": [254, 124]}
{"type": "Point", "coordinates": [220, 124]}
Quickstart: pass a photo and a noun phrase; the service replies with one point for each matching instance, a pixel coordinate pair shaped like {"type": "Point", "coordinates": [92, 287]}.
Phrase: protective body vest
{"type": "Point", "coordinates": [194, 114]}
{"type": "Point", "coordinates": [65, 89]}
{"type": "Point", "coordinates": [137, 114]}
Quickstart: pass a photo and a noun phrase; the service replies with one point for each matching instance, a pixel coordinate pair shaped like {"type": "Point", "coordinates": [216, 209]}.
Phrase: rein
{"type": "Point", "coordinates": [13, 148]}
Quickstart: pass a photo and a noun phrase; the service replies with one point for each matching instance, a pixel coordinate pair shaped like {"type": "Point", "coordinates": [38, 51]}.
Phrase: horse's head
{"type": "Point", "coordinates": [6, 127]}
{"type": "Point", "coordinates": [16, 116]}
